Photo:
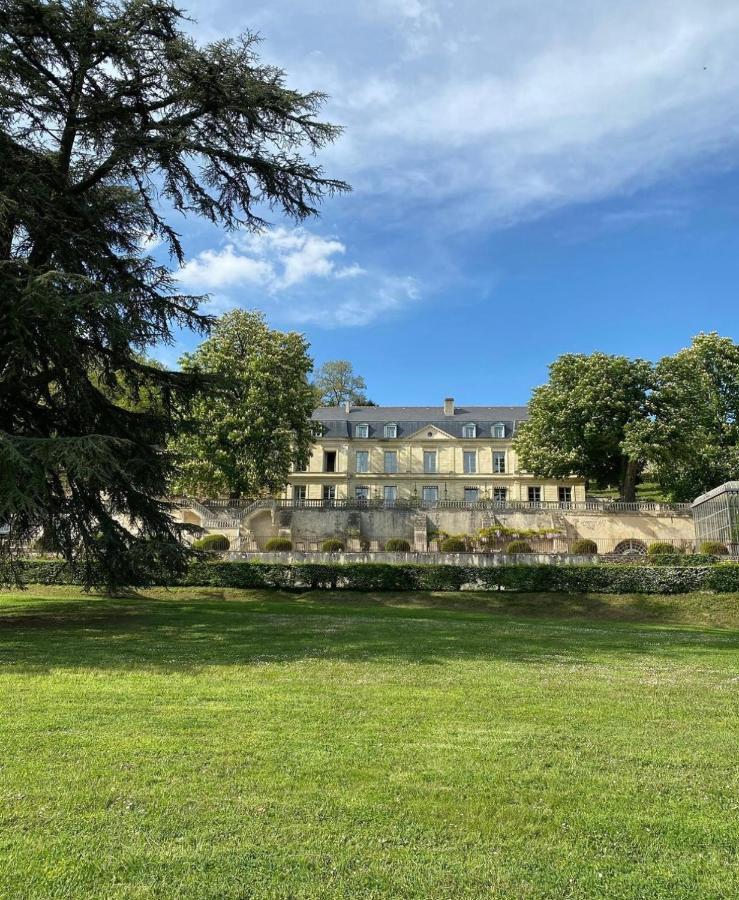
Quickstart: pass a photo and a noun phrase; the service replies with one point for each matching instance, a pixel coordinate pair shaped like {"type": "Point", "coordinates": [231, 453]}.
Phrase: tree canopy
{"type": "Point", "coordinates": [243, 435]}
{"type": "Point", "coordinates": [336, 382]}
{"type": "Point", "coordinates": [579, 420]}
{"type": "Point", "coordinates": [111, 115]}
{"type": "Point", "coordinates": [691, 436]}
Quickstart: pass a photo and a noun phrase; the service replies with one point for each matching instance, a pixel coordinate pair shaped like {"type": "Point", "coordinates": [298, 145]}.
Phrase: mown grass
{"type": "Point", "coordinates": [223, 744]}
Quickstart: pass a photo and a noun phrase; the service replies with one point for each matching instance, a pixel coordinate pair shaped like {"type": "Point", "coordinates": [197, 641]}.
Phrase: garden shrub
{"type": "Point", "coordinates": [608, 578]}
{"type": "Point", "coordinates": [714, 548]}
{"type": "Point", "coordinates": [518, 547]}
{"type": "Point", "coordinates": [397, 545]}
{"type": "Point", "coordinates": [453, 545]}
{"type": "Point", "coordinates": [332, 545]}
{"type": "Point", "coordinates": [215, 543]}
{"type": "Point", "coordinates": [662, 548]}
{"type": "Point", "coordinates": [279, 543]}
{"type": "Point", "coordinates": [584, 547]}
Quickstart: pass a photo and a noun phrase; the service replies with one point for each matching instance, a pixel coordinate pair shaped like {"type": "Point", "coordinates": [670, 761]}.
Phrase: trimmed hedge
{"type": "Point", "coordinates": [662, 548]}
{"type": "Point", "coordinates": [714, 548]}
{"type": "Point", "coordinates": [453, 545]}
{"type": "Point", "coordinates": [218, 543]}
{"type": "Point", "coordinates": [332, 545]}
{"type": "Point", "coordinates": [575, 579]}
{"type": "Point", "coordinates": [519, 547]}
{"type": "Point", "coordinates": [397, 545]}
{"type": "Point", "coordinates": [279, 543]}
{"type": "Point", "coordinates": [584, 547]}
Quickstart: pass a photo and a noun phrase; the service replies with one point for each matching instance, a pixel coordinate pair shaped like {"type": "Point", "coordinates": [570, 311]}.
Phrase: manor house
{"type": "Point", "coordinates": [430, 454]}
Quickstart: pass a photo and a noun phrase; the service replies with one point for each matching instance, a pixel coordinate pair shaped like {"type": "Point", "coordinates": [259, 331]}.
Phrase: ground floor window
{"type": "Point", "coordinates": [430, 494]}
{"type": "Point", "coordinates": [534, 495]}
{"type": "Point", "coordinates": [565, 494]}
{"type": "Point", "coordinates": [390, 493]}
{"type": "Point", "coordinates": [300, 493]}
{"type": "Point", "coordinates": [361, 493]}
{"type": "Point", "coordinates": [471, 494]}
{"type": "Point", "coordinates": [500, 494]}
{"type": "Point", "coordinates": [329, 492]}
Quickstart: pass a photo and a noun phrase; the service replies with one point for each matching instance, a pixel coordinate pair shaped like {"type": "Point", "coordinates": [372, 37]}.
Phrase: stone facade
{"type": "Point", "coordinates": [444, 453]}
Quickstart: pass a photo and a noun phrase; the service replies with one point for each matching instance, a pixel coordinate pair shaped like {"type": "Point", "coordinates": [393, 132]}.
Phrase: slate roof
{"type": "Point", "coordinates": [410, 419]}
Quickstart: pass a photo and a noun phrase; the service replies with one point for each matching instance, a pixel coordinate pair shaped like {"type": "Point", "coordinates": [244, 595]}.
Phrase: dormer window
{"type": "Point", "coordinates": [391, 431]}
{"type": "Point", "coordinates": [361, 431]}
{"type": "Point", "coordinates": [498, 430]}
{"type": "Point", "coordinates": [469, 431]}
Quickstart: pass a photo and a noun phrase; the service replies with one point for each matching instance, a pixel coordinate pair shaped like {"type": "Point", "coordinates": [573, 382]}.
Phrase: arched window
{"type": "Point", "coordinates": [498, 430]}
{"type": "Point", "coordinates": [469, 430]}
{"type": "Point", "coordinates": [391, 430]}
{"type": "Point", "coordinates": [361, 431]}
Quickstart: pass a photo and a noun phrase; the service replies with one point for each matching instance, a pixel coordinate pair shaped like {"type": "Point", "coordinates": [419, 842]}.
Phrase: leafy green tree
{"type": "Point", "coordinates": [337, 383]}
{"type": "Point", "coordinates": [109, 116]}
{"type": "Point", "coordinates": [691, 437]}
{"type": "Point", "coordinates": [579, 420]}
{"type": "Point", "coordinates": [245, 433]}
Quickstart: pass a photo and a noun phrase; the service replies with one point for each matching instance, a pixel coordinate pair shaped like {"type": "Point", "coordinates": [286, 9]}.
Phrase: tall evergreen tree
{"type": "Point", "coordinates": [109, 114]}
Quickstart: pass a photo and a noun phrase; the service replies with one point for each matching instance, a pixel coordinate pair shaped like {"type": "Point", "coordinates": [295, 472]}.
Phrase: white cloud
{"type": "Point", "coordinates": [298, 279]}
{"type": "Point", "coordinates": [506, 110]}
{"type": "Point", "coordinates": [275, 259]}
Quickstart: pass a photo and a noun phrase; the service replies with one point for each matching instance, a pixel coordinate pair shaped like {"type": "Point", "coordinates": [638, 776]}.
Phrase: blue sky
{"type": "Point", "coordinates": [530, 178]}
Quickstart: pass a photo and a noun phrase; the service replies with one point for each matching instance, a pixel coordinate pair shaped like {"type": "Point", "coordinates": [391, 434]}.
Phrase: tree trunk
{"type": "Point", "coordinates": [629, 473]}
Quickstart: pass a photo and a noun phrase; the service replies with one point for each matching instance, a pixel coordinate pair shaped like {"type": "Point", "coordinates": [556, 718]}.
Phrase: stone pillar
{"type": "Point", "coordinates": [420, 533]}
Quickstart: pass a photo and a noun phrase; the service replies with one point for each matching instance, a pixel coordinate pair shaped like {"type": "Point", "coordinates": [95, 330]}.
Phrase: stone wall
{"type": "Point", "coordinates": [480, 560]}
{"type": "Point", "coordinates": [308, 526]}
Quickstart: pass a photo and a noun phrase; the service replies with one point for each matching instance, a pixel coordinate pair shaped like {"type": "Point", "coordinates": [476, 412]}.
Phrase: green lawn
{"type": "Point", "coordinates": [223, 744]}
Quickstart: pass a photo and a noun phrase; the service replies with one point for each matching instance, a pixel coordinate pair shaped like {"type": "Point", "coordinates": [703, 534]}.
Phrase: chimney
{"type": "Point", "coordinates": [449, 406]}
{"type": "Point", "coordinates": [347, 407]}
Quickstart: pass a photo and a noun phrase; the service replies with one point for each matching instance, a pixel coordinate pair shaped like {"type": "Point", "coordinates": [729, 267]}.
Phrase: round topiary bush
{"type": "Point", "coordinates": [397, 545]}
{"type": "Point", "coordinates": [519, 547]}
{"type": "Point", "coordinates": [214, 543]}
{"type": "Point", "coordinates": [453, 545]}
{"type": "Point", "coordinates": [279, 543]}
{"type": "Point", "coordinates": [714, 548]}
{"type": "Point", "coordinates": [584, 547]}
{"type": "Point", "coordinates": [332, 545]}
{"type": "Point", "coordinates": [662, 548]}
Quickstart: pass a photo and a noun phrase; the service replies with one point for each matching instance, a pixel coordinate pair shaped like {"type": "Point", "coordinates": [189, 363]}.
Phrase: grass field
{"type": "Point", "coordinates": [217, 744]}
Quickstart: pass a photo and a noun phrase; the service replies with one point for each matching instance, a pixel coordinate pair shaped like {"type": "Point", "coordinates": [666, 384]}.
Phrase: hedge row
{"type": "Point", "coordinates": [603, 578]}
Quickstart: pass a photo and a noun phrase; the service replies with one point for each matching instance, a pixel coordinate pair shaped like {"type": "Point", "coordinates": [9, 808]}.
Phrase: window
{"type": "Point", "coordinates": [429, 462]}
{"type": "Point", "coordinates": [469, 431]}
{"type": "Point", "coordinates": [391, 461]}
{"type": "Point", "coordinates": [390, 493]}
{"type": "Point", "coordinates": [534, 495]}
{"type": "Point", "coordinates": [565, 494]}
{"type": "Point", "coordinates": [361, 493]}
{"type": "Point", "coordinates": [471, 494]}
{"type": "Point", "coordinates": [500, 495]}
{"type": "Point", "coordinates": [361, 431]}
{"type": "Point", "coordinates": [329, 461]}
{"type": "Point", "coordinates": [300, 493]}
{"type": "Point", "coordinates": [469, 460]}
{"type": "Point", "coordinates": [499, 462]}
{"type": "Point", "coordinates": [362, 461]}
{"type": "Point", "coordinates": [391, 431]}
{"type": "Point", "coordinates": [430, 494]}
{"type": "Point", "coordinates": [498, 430]}
{"type": "Point", "coordinates": [329, 492]}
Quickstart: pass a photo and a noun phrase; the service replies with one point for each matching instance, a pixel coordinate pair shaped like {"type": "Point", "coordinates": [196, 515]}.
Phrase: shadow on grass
{"type": "Point", "coordinates": [210, 628]}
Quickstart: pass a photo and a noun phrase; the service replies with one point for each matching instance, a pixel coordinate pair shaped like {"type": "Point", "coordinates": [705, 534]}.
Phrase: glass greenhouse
{"type": "Point", "coordinates": [716, 515]}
